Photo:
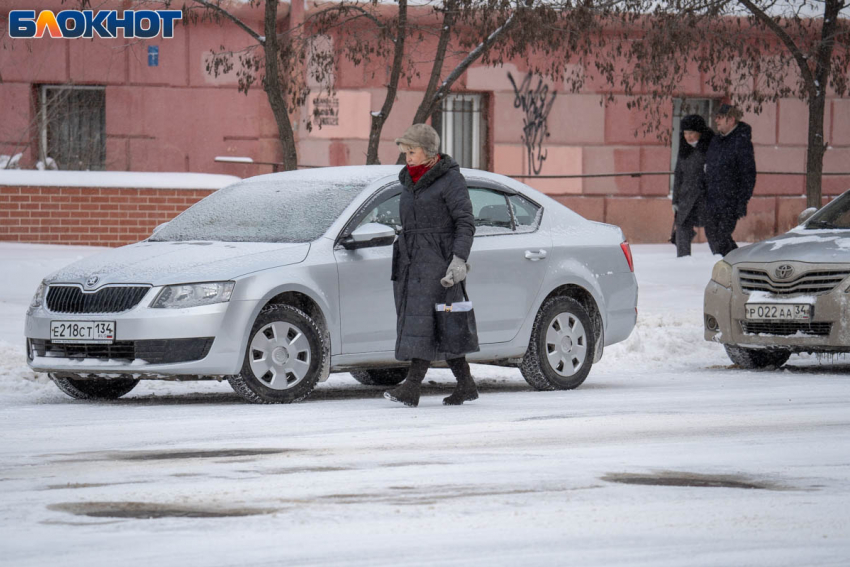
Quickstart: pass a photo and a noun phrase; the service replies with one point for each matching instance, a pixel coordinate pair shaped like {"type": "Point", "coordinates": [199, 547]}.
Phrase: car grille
{"type": "Point", "coordinates": [153, 351]}
{"type": "Point", "coordinates": [786, 328]}
{"type": "Point", "coordinates": [112, 299]}
{"type": "Point", "coordinates": [813, 283]}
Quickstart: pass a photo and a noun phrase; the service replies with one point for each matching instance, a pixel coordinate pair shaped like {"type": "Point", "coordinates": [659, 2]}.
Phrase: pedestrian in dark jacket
{"type": "Point", "coordinates": [730, 170]}
{"type": "Point", "coordinates": [689, 180]}
{"type": "Point", "coordinates": [429, 256]}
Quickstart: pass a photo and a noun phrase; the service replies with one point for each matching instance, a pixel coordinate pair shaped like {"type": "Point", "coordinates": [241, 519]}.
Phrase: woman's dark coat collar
{"type": "Point", "coordinates": [440, 168]}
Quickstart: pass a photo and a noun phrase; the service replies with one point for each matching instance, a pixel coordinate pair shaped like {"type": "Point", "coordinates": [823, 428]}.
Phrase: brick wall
{"type": "Point", "coordinates": [88, 216]}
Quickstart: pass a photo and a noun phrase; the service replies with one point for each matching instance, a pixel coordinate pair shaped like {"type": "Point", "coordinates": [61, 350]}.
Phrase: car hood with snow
{"type": "Point", "coordinates": [800, 245]}
{"type": "Point", "coordinates": [166, 263]}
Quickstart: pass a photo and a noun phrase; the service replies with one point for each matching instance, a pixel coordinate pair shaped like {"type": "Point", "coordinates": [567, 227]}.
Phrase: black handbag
{"type": "Point", "coordinates": [457, 332]}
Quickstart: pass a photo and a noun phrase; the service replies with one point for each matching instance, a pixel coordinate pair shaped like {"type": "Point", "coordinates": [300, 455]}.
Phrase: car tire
{"type": "Point", "coordinates": [287, 353]}
{"type": "Point", "coordinates": [380, 376]}
{"type": "Point", "coordinates": [560, 352]}
{"type": "Point", "coordinates": [752, 358]}
{"type": "Point", "coordinates": [94, 388]}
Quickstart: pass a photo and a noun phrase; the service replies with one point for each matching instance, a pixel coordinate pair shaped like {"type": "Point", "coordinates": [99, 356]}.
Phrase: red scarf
{"type": "Point", "coordinates": [417, 171]}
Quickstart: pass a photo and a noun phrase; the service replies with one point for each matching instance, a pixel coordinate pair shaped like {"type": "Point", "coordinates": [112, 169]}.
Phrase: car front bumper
{"type": "Point", "coordinates": [828, 331]}
{"type": "Point", "coordinates": [225, 323]}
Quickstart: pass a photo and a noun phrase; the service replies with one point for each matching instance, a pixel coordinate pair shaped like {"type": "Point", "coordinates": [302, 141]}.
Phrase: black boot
{"type": "Point", "coordinates": [465, 391]}
{"type": "Point", "coordinates": [408, 392]}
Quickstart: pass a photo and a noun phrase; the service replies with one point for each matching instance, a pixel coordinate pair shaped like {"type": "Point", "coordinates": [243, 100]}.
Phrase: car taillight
{"type": "Point", "coordinates": [628, 252]}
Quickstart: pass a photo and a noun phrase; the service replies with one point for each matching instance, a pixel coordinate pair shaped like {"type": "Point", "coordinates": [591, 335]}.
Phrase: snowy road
{"type": "Point", "coordinates": [666, 456]}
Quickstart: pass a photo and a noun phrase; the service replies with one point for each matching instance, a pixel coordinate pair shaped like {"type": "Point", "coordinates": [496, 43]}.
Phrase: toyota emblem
{"type": "Point", "coordinates": [784, 272]}
{"type": "Point", "coordinates": [92, 281]}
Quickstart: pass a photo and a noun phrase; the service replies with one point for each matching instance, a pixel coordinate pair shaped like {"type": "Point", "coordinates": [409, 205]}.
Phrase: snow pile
{"type": "Point", "coordinates": [16, 377]}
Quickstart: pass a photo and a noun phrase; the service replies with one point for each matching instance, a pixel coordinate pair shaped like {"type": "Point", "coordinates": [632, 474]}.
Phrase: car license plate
{"type": "Point", "coordinates": [92, 332]}
{"type": "Point", "coordinates": [778, 311]}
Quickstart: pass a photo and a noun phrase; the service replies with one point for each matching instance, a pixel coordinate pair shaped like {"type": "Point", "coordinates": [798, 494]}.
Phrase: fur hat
{"type": "Point", "coordinates": [693, 122]}
{"type": "Point", "coordinates": [421, 136]}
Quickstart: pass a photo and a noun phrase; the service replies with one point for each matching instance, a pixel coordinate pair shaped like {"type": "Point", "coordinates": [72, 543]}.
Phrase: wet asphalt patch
{"type": "Point", "coordinates": [152, 511]}
{"type": "Point", "coordinates": [193, 454]}
{"type": "Point", "coordinates": [691, 480]}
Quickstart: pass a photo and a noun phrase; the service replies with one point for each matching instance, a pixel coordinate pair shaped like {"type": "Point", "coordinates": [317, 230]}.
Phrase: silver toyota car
{"type": "Point", "coordinates": [787, 294]}
{"type": "Point", "coordinates": [276, 281]}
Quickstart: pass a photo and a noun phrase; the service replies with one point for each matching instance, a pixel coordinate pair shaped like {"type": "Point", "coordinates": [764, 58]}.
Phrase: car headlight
{"type": "Point", "coordinates": [38, 298]}
{"type": "Point", "coordinates": [722, 273]}
{"type": "Point", "coordinates": [193, 295]}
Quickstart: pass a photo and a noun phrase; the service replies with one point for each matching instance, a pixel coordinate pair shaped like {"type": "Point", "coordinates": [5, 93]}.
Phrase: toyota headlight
{"type": "Point", "coordinates": [193, 295]}
{"type": "Point", "coordinates": [38, 298]}
{"type": "Point", "coordinates": [722, 273]}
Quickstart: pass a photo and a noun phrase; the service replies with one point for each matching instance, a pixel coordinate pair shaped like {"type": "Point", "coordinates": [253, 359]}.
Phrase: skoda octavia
{"type": "Point", "coordinates": [787, 294]}
{"type": "Point", "coordinates": [276, 281]}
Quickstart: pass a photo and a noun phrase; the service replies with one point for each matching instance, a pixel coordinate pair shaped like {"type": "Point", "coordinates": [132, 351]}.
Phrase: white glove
{"type": "Point", "coordinates": [456, 272]}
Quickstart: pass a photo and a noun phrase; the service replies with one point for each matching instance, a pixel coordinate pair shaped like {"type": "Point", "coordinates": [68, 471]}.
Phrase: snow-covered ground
{"type": "Point", "coordinates": [665, 456]}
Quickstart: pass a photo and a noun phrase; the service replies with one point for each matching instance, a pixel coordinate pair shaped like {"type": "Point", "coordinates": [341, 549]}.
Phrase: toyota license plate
{"type": "Point", "coordinates": [91, 332]}
{"type": "Point", "coordinates": [778, 312]}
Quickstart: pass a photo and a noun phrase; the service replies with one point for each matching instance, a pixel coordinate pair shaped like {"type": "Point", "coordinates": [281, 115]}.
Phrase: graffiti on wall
{"type": "Point", "coordinates": [536, 104]}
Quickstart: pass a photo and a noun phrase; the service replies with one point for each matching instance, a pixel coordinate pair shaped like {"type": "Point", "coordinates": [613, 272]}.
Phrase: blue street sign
{"type": "Point", "coordinates": [153, 56]}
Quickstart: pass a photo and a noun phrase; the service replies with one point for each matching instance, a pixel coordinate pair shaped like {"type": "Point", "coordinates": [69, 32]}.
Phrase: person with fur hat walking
{"type": "Point", "coordinates": [689, 180]}
{"type": "Point", "coordinates": [730, 173]}
{"type": "Point", "coordinates": [430, 257]}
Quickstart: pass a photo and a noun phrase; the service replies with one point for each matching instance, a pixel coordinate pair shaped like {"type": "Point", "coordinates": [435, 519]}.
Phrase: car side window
{"type": "Point", "coordinates": [492, 215]}
{"type": "Point", "coordinates": [526, 213]}
{"type": "Point", "coordinates": [384, 212]}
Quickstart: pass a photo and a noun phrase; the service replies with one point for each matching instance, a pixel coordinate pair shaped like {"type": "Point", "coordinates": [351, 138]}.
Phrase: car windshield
{"type": "Point", "coordinates": [297, 207]}
{"type": "Point", "coordinates": [835, 215]}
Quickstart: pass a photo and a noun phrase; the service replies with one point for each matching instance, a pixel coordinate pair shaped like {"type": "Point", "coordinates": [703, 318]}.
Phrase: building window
{"type": "Point", "coordinates": [705, 107]}
{"type": "Point", "coordinates": [73, 126]}
{"type": "Point", "coordinates": [463, 129]}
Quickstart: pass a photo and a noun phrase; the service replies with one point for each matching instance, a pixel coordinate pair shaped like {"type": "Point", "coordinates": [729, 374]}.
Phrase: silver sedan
{"type": "Point", "coordinates": [276, 281]}
{"type": "Point", "coordinates": [786, 294]}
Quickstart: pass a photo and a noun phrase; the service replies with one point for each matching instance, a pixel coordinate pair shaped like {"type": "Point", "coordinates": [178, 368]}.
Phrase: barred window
{"type": "Point", "coordinates": [73, 126]}
{"type": "Point", "coordinates": [462, 129]}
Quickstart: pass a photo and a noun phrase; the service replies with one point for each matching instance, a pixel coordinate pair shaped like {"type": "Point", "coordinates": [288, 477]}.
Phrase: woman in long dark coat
{"type": "Point", "coordinates": [689, 180]}
{"type": "Point", "coordinates": [429, 257]}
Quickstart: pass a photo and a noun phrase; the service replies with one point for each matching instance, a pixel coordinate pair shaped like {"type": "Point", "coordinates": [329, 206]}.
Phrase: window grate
{"type": "Point", "coordinates": [462, 129]}
{"type": "Point", "coordinates": [73, 126]}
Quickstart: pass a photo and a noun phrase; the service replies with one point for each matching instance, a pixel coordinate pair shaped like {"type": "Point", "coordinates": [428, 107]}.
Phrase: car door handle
{"type": "Point", "coordinates": [534, 256]}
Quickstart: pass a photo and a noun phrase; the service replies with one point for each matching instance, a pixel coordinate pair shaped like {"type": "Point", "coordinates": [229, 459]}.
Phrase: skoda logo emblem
{"type": "Point", "coordinates": [92, 281]}
{"type": "Point", "coordinates": [784, 272]}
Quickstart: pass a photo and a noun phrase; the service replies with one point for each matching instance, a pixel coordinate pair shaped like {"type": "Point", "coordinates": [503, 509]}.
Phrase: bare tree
{"type": "Point", "coordinates": [280, 55]}
{"type": "Point", "coordinates": [386, 38]}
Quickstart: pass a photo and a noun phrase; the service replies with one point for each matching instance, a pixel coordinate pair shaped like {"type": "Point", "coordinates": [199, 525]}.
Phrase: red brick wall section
{"type": "Point", "coordinates": [88, 216]}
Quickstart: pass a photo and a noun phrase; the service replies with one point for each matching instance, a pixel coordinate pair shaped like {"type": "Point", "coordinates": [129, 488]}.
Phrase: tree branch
{"type": "Point", "coordinates": [798, 55]}
{"type": "Point", "coordinates": [232, 18]}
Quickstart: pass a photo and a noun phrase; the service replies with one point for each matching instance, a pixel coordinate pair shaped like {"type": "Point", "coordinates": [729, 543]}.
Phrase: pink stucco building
{"type": "Point", "coordinates": [151, 105]}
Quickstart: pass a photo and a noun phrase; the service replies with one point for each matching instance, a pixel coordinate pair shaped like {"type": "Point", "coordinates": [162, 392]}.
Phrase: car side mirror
{"type": "Point", "coordinates": [806, 215]}
{"type": "Point", "coordinates": [370, 234]}
{"type": "Point", "coordinates": [159, 227]}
